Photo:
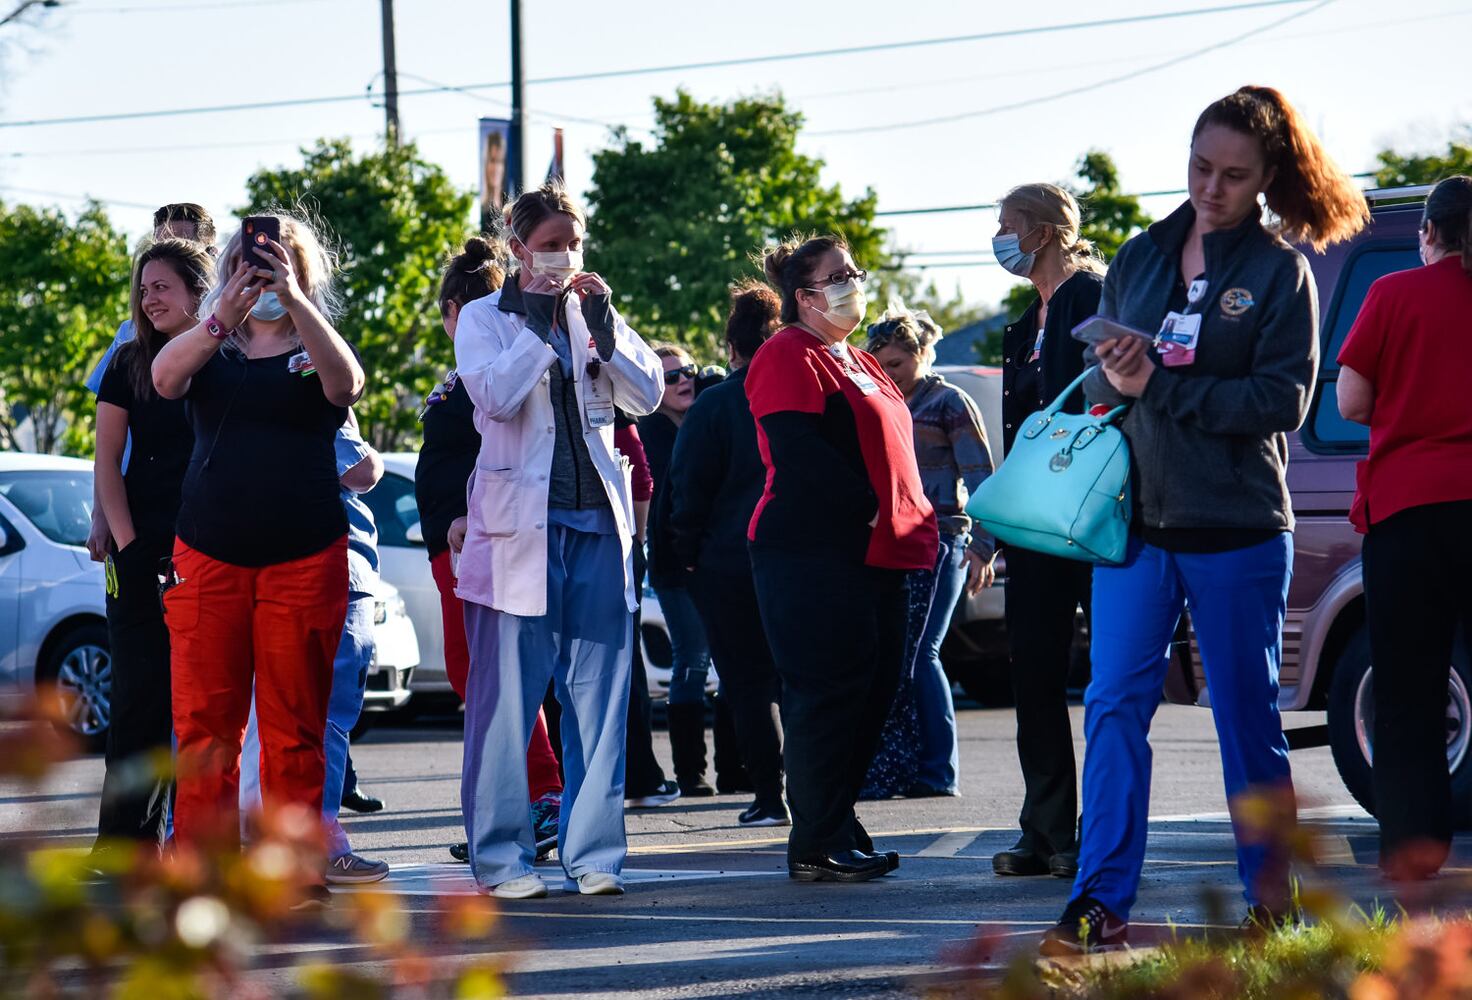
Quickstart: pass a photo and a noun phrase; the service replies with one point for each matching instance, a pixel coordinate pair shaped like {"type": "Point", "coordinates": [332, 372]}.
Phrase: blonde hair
{"type": "Point", "coordinates": [673, 351]}
{"type": "Point", "coordinates": [314, 262]}
{"type": "Point", "coordinates": [912, 331]}
{"type": "Point", "coordinates": [1051, 205]}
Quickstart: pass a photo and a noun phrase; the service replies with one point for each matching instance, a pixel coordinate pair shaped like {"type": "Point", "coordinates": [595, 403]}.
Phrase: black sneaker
{"type": "Point", "coordinates": [663, 795]}
{"type": "Point", "coordinates": [1262, 922]}
{"type": "Point", "coordinates": [760, 814]}
{"type": "Point", "coordinates": [460, 852]}
{"type": "Point", "coordinates": [1086, 926]}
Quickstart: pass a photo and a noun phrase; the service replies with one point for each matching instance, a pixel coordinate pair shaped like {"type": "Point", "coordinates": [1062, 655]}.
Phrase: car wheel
{"type": "Point", "coordinates": [1352, 726]}
{"type": "Point", "coordinates": [986, 681]}
{"type": "Point", "coordinates": [364, 723]}
{"type": "Point", "coordinates": [80, 667]}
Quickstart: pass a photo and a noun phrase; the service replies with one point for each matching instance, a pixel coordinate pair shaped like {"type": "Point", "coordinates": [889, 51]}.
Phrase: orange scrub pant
{"type": "Point", "coordinates": [231, 627]}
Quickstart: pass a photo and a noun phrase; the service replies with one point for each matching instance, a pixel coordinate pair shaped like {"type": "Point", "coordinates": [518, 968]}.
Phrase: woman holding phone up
{"type": "Point", "coordinates": [260, 575]}
{"type": "Point", "coordinates": [1236, 310]}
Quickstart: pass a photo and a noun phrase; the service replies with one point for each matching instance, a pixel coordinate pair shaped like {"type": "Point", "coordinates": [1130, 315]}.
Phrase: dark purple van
{"type": "Point", "coordinates": [1326, 650]}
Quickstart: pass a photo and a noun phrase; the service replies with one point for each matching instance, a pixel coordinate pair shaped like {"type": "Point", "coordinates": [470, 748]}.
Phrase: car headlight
{"type": "Point", "coordinates": [393, 607]}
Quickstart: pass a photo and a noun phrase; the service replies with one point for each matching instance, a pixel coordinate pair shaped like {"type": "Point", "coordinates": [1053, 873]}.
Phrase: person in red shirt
{"type": "Point", "coordinates": [1404, 370]}
{"type": "Point", "coordinates": [842, 519]}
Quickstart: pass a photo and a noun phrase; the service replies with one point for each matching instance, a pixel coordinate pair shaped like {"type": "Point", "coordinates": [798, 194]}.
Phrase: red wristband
{"type": "Point", "coordinates": [215, 328]}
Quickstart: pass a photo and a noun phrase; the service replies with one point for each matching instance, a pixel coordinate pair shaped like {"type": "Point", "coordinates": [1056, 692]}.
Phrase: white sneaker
{"type": "Point", "coordinates": [524, 887]}
{"type": "Point", "coordinates": [598, 884]}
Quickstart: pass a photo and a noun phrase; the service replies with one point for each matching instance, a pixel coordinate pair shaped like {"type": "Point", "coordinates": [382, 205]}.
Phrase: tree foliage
{"type": "Point", "coordinates": [673, 222]}
{"type": "Point", "coordinates": [63, 291]}
{"type": "Point", "coordinates": [392, 217]}
{"type": "Point", "coordinates": [1399, 170]}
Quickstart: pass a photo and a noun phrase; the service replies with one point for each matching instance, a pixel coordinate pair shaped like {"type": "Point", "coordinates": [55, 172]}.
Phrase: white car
{"type": "Point", "coordinates": [53, 617]}
{"type": "Point", "coordinates": [404, 561]}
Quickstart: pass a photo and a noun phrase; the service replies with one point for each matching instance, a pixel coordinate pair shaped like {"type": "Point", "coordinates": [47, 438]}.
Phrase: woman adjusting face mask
{"type": "Point", "coordinates": [554, 265]}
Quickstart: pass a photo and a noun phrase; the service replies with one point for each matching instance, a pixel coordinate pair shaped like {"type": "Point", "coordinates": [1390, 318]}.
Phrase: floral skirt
{"type": "Point", "coordinates": [896, 765]}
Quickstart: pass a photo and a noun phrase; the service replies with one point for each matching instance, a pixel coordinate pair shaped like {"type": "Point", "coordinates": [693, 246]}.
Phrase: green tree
{"type": "Point", "coordinates": [63, 291]}
{"type": "Point", "coordinates": [1399, 170]}
{"type": "Point", "coordinates": [393, 217]}
{"type": "Point", "coordinates": [673, 222]}
{"type": "Point", "coordinates": [1110, 217]}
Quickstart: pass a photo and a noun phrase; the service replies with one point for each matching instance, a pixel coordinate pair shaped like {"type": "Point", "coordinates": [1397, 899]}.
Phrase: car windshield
{"type": "Point", "coordinates": [58, 503]}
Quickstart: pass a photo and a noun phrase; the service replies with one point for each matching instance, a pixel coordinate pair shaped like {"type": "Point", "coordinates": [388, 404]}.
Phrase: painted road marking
{"type": "Point", "coordinates": [451, 879]}
{"type": "Point", "coordinates": [947, 846]}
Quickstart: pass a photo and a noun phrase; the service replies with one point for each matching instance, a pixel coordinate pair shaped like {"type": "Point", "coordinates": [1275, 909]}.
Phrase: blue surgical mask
{"type": "Point", "coordinates": [1007, 248]}
{"type": "Point", "coordinates": [268, 307]}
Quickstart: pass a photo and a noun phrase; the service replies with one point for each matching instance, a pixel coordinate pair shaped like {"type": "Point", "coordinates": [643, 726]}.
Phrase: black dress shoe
{"type": "Point", "coordinates": [460, 852]}
{"type": "Point", "coordinates": [838, 866]}
{"type": "Point", "coordinates": [922, 791]}
{"type": "Point", "coordinates": [1064, 864]}
{"type": "Point", "coordinates": [360, 802]}
{"type": "Point", "coordinates": [1020, 861]}
{"type": "Point", "coordinates": [892, 859]}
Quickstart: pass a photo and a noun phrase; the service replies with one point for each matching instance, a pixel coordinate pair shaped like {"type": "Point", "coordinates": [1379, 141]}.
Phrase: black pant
{"type": "Point", "coordinates": [837, 632]}
{"type": "Point", "coordinates": [749, 684]}
{"type": "Point", "coordinates": [642, 773]}
{"type": "Point", "coordinates": [1416, 592]}
{"type": "Point", "coordinates": [1043, 595]}
{"type": "Point", "coordinates": [135, 797]}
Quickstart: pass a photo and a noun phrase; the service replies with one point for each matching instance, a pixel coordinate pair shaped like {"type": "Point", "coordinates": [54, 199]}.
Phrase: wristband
{"type": "Point", "coordinates": [215, 328]}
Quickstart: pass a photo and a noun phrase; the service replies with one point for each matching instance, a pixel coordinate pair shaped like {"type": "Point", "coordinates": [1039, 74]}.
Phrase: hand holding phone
{"type": "Point", "coordinates": [257, 233]}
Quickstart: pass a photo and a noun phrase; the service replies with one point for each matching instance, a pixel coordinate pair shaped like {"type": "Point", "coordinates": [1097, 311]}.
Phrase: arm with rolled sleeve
{"type": "Point", "coordinates": [498, 363]}
{"type": "Point", "coordinates": [1274, 396]}
{"type": "Point", "coordinates": [638, 376]}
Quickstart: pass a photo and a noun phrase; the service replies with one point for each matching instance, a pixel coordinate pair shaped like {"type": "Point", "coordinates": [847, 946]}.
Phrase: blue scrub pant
{"type": "Point", "coordinates": [939, 752]}
{"type": "Point", "coordinates": [583, 645]}
{"type": "Point", "coordinates": [689, 647]}
{"type": "Point", "coordinates": [349, 682]}
{"type": "Point", "coordinates": [1237, 601]}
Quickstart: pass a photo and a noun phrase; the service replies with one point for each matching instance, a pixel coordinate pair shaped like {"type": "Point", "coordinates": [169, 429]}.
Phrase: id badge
{"type": "Point", "coordinates": [300, 364]}
{"type": "Point", "coordinates": [863, 381]}
{"type": "Point", "coordinates": [1178, 337]}
{"type": "Point", "coordinates": [597, 403]}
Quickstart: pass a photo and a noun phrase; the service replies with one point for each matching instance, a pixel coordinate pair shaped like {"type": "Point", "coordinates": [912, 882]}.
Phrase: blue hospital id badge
{"type": "Point", "coordinates": [1177, 340]}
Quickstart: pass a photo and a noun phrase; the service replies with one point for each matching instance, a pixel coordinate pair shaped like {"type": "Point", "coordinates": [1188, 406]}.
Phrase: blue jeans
{"type": "Point", "coordinates": [688, 644]}
{"type": "Point", "coordinates": [584, 646]}
{"type": "Point", "coordinates": [1237, 601]}
{"type": "Point", "coordinates": [349, 682]}
{"type": "Point", "coordinates": [939, 751]}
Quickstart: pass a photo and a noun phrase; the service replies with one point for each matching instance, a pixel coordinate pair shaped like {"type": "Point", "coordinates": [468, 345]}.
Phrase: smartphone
{"type": "Point", "coordinates": [1096, 329]}
{"type": "Point", "coordinates": [255, 230]}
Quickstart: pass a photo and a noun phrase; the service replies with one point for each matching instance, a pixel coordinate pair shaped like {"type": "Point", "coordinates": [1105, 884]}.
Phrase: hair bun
{"type": "Point", "coordinates": [478, 250]}
{"type": "Point", "coordinates": [774, 261]}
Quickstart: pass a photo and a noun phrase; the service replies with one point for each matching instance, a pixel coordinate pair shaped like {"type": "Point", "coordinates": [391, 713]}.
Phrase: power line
{"type": "Point", "coordinates": [670, 68]}
{"type": "Point", "coordinates": [1073, 91]}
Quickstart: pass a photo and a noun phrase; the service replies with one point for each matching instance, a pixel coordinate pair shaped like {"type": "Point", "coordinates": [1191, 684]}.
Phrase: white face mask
{"type": "Point", "coordinates": [846, 304]}
{"type": "Point", "coordinates": [559, 265]}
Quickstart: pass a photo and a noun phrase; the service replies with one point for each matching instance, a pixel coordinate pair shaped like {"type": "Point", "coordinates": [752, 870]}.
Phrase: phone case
{"type": "Point", "coordinates": [255, 230]}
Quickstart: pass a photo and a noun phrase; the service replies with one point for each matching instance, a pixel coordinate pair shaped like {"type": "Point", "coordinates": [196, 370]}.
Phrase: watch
{"type": "Point", "coordinates": [215, 328]}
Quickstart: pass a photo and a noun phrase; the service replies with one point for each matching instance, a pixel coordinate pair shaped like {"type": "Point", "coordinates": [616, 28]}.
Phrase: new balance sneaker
{"type": "Point", "coordinates": [353, 870]}
{"type": "Point", "coordinates": [1087, 925]}
{"type": "Point", "coordinates": [761, 814]}
{"type": "Point", "coordinates": [529, 886]}
{"type": "Point", "coordinates": [663, 795]}
{"type": "Point", "coordinates": [597, 884]}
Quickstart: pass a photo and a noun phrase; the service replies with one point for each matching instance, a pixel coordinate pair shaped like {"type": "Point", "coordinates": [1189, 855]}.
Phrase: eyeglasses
{"type": "Point", "coordinates": [839, 277]}
{"type": "Point", "coordinates": [674, 375]}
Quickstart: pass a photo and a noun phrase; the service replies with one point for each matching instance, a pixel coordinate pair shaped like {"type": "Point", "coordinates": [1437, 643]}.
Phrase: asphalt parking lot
{"type": "Point", "coordinates": [710, 911]}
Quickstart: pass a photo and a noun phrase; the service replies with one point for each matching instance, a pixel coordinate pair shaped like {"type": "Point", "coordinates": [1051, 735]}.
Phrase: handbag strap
{"type": "Point", "coordinates": [1075, 386]}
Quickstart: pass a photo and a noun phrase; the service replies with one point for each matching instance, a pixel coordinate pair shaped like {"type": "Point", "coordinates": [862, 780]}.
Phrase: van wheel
{"type": "Point", "coordinates": [79, 667]}
{"type": "Point", "coordinates": [1352, 726]}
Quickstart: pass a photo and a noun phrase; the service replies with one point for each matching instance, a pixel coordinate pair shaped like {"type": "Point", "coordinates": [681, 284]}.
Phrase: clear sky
{"type": "Point", "coordinates": [1365, 73]}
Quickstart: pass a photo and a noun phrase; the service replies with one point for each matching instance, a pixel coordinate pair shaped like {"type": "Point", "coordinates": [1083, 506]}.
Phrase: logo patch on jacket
{"type": "Point", "coordinates": [1236, 301]}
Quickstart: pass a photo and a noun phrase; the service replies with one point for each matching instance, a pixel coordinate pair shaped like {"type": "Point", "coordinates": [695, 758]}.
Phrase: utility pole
{"type": "Point", "coordinates": [390, 76]}
{"type": "Point", "coordinates": [515, 170]}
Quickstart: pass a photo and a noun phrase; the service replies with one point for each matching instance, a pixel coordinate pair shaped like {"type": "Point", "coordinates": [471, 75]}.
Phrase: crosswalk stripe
{"type": "Point", "coordinates": [948, 845]}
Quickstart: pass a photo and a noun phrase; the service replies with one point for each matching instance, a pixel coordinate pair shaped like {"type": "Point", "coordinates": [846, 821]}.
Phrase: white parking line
{"type": "Point", "coordinates": [455, 879]}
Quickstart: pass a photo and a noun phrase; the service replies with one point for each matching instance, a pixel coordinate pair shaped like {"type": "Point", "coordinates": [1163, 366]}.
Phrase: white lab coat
{"type": "Point", "coordinates": [505, 368]}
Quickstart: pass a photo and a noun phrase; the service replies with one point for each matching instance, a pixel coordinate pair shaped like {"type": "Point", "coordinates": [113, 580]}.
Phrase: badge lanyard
{"type": "Point", "coordinates": [853, 369]}
{"type": "Point", "coordinates": [1180, 332]}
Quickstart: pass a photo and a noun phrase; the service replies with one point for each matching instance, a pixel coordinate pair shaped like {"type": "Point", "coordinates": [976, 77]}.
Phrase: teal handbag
{"type": "Point", "coordinates": [1065, 487]}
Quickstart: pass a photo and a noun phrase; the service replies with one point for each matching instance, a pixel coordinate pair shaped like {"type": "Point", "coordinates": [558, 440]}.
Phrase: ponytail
{"type": "Point", "coordinates": [1449, 209]}
{"type": "Point", "coordinates": [1314, 200]}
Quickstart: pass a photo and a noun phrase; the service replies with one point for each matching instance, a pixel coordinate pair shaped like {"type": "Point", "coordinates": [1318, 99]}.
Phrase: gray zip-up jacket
{"type": "Point", "coordinates": [1209, 440]}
